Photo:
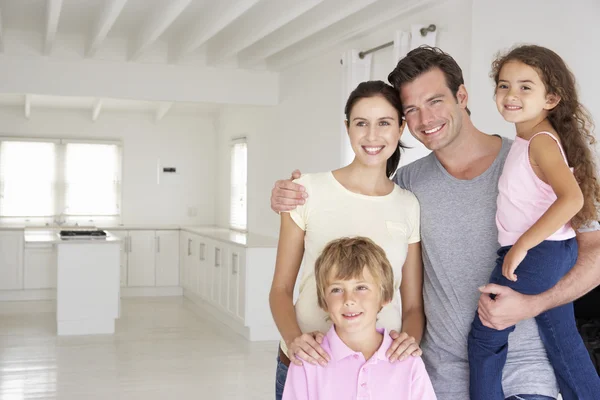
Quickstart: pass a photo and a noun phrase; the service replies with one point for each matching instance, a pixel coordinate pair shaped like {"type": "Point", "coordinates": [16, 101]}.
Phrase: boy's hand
{"type": "Point", "coordinates": [286, 195]}
{"type": "Point", "coordinates": [307, 347]}
{"type": "Point", "coordinates": [512, 259]}
{"type": "Point", "coordinates": [402, 347]}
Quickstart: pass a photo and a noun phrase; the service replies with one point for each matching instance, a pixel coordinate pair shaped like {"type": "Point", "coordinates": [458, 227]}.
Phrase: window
{"type": "Point", "coordinates": [239, 185]}
{"type": "Point", "coordinates": [27, 178]}
{"type": "Point", "coordinates": [91, 179]}
{"type": "Point", "coordinates": [41, 180]}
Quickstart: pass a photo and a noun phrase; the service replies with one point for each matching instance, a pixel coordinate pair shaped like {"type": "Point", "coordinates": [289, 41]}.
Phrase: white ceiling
{"type": "Point", "coordinates": [249, 33]}
{"type": "Point", "coordinates": [246, 34]}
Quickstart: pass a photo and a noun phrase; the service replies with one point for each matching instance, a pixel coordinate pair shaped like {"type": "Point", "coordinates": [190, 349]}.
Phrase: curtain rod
{"type": "Point", "coordinates": [424, 32]}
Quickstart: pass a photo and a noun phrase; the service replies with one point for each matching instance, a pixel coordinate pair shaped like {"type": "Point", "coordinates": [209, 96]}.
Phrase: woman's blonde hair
{"type": "Point", "coordinates": [346, 258]}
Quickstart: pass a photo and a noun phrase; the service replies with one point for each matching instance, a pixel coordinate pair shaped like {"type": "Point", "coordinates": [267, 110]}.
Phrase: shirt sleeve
{"type": "Point", "coordinates": [399, 178]}
{"type": "Point", "coordinates": [421, 389]}
{"type": "Point", "coordinates": [296, 384]}
{"type": "Point", "coordinates": [415, 221]}
{"type": "Point", "coordinates": [300, 214]}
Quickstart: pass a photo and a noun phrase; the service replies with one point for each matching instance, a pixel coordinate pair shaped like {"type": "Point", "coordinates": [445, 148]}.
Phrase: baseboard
{"type": "Point", "coordinates": [151, 291]}
{"type": "Point", "coordinates": [28, 295]}
{"type": "Point", "coordinates": [50, 294]}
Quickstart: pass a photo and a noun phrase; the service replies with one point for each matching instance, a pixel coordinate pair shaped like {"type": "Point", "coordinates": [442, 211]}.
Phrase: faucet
{"type": "Point", "coordinates": [61, 219]}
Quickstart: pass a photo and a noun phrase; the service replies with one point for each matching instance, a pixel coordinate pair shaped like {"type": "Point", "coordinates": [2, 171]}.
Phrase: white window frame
{"type": "Point", "coordinates": [233, 224]}
{"type": "Point", "coordinates": [59, 199]}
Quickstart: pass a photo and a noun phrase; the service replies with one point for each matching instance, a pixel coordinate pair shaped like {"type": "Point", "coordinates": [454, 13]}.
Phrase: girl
{"type": "Point", "coordinates": [357, 200]}
{"type": "Point", "coordinates": [541, 200]}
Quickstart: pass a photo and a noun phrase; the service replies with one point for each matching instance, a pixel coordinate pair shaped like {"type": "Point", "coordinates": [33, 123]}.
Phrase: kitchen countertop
{"type": "Point", "coordinates": [44, 234]}
{"type": "Point", "coordinates": [40, 236]}
{"type": "Point", "coordinates": [231, 236]}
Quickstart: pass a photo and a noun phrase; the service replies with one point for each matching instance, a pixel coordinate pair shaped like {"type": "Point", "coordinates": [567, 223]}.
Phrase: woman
{"type": "Point", "coordinates": [357, 200]}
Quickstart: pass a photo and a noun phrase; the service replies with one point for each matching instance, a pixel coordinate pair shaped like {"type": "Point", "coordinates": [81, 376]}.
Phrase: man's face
{"type": "Point", "coordinates": [433, 115]}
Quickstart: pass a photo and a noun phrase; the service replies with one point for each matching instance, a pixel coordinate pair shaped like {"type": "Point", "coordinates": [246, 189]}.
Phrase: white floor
{"type": "Point", "coordinates": [161, 350]}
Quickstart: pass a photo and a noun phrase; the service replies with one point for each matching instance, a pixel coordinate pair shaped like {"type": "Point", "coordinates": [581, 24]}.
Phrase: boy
{"type": "Point", "coordinates": [354, 281]}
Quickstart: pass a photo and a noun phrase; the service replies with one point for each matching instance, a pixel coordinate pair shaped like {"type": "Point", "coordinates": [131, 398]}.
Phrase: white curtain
{"type": "Point", "coordinates": [354, 71]}
{"type": "Point", "coordinates": [418, 40]}
{"type": "Point", "coordinates": [401, 45]}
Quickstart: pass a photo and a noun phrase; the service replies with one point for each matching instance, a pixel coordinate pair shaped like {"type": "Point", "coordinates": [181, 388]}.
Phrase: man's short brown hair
{"type": "Point", "coordinates": [346, 258]}
{"type": "Point", "coordinates": [424, 59]}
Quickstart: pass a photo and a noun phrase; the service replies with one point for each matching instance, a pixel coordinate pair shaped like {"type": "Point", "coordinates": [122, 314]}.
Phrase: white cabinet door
{"type": "Point", "coordinates": [185, 244]}
{"type": "Point", "coordinates": [194, 263]}
{"type": "Point", "coordinates": [203, 265]}
{"type": "Point", "coordinates": [39, 267]}
{"type": "Point", "coordinates": [124, 235]}
{"type": "Point", "coordinates": [11, 260]}
{"type": "Point", "coordinates": [217, 262]}
{"type": "Point", "coordinates": [224, 270]}
{"type": "Point", "coordinates": [237, 275]}
{"type": "Point", "coordinates": [167, 258]}
{"type": "Point", "coordinates": [140, 266]}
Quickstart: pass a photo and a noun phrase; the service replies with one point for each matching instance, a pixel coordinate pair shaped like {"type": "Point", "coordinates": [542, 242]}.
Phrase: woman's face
{"type": "Point", "coordinates": [374, 130]}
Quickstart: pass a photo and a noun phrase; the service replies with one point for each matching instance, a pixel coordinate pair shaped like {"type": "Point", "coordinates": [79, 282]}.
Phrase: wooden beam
{"type": "Point", "coordinates": [105, 22]}
{"type": "Point", "coordinates": [96, 109]}
{"type": "Point", "coordinates": [375, 16]}
{"type": "Point", "coordinates": [318, 19]}
{"type": "Point", "coordinates": [27, 106]}
{"type": "Point", "coordinates": [262, 21]}
{"type": "Point", "coordinates": [158, 24]}
{"type": "Point", "coordinates": [162, 110]}
{"type": "Point", "coordinates": [53, 8]}
{"type": "Point", "coordinates": [207, 29]}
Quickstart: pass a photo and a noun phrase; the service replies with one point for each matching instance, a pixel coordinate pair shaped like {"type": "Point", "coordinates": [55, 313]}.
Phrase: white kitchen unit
{"type": "Point", "coordinates": [149, 261]}
{"type": "Point", "coordinates": [167, 258]}
{"type": "Point", "coordinates": [87, 292]}
{"type": "Point", "coordinates": [39, 266]}
{"type": "Point", "coordinates": [11, 260]}
{"type": "Point", "coordinates": [140, 264]}
{"type": "Point", "coordinates": [86, 278]}
{"type": "Point", "coordinates": [228, 276]}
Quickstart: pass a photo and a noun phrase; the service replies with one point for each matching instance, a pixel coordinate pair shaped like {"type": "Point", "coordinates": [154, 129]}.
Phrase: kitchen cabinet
{"type": "Point", "coordinates": [11, 260]}
{"type": "Point", "coordinates": [167, 258]}
{"type": "Point", "coordinates": [39, 266]}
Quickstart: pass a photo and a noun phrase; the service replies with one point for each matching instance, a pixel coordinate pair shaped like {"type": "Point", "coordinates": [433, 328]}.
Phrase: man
{"type": "Point", "coordinates": [457, 186]}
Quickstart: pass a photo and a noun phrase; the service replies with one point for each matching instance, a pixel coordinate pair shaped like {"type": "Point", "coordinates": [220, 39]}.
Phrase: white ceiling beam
{"type": "Point", "coordinates": [162, 110]}
{"type": "Point", "coordinates": [96, 108]}
{"type": "Point", "coordinates": [267, 19]}
{"type": "Point", "coordinates": [303, 27]}
{"type": "Point", "coordinates": [27, 106]}
{"type": "Point", "coordinates": [356, 26]}
{"type": "Point", "coordinates": [158, 24]}
{"type": "Point", "coordinates": [205, 31]}
{"type": "Point", "coordinates": [53, 8]}
{"type": "Point", "coordinates": [105, 22]}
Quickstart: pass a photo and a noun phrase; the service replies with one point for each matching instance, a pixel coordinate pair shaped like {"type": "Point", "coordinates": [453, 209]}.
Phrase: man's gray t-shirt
{"type": "Point", "coordinates": [459, 239]}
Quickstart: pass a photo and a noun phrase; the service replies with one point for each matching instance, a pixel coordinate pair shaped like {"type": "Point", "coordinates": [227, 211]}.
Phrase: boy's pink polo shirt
{"type": "Point", "coordinates": [349, 376]}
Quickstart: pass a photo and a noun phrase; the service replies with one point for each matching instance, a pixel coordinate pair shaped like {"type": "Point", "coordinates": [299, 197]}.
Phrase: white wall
{"type": "Point", "coordinates": [185, 142]}
{"type": "Point", "coordinates": [303, 130]}
{"type": "Point", "coordinates": [571, 29]}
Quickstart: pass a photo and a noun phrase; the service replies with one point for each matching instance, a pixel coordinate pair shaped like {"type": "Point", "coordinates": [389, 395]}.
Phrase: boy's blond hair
{"type": "Point", "coordinates": [346, 258]}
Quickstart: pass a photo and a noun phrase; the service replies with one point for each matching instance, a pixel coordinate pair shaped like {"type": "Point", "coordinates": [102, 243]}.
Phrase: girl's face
{"type": "Point", "coordinates": [520, 93]}
{"type": "Point", "coordinates": [374, 130]}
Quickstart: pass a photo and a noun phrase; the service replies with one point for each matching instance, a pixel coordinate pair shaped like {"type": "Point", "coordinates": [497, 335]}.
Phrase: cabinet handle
{"type": "Point", "coordinates": [202, 250]}
{"type": "Point", "coordinates": [158, 244]}
{"type": "Point", "coordinates": [234, 266]}
{"type": "Point", "coordinates": [217, 257]}
{"type": "Point", "coordinates": [189, 247]}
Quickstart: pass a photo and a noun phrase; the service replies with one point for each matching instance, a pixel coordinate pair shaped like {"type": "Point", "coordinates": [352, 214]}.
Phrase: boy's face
{"type": "Point", "coordinates": [353, 304]}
